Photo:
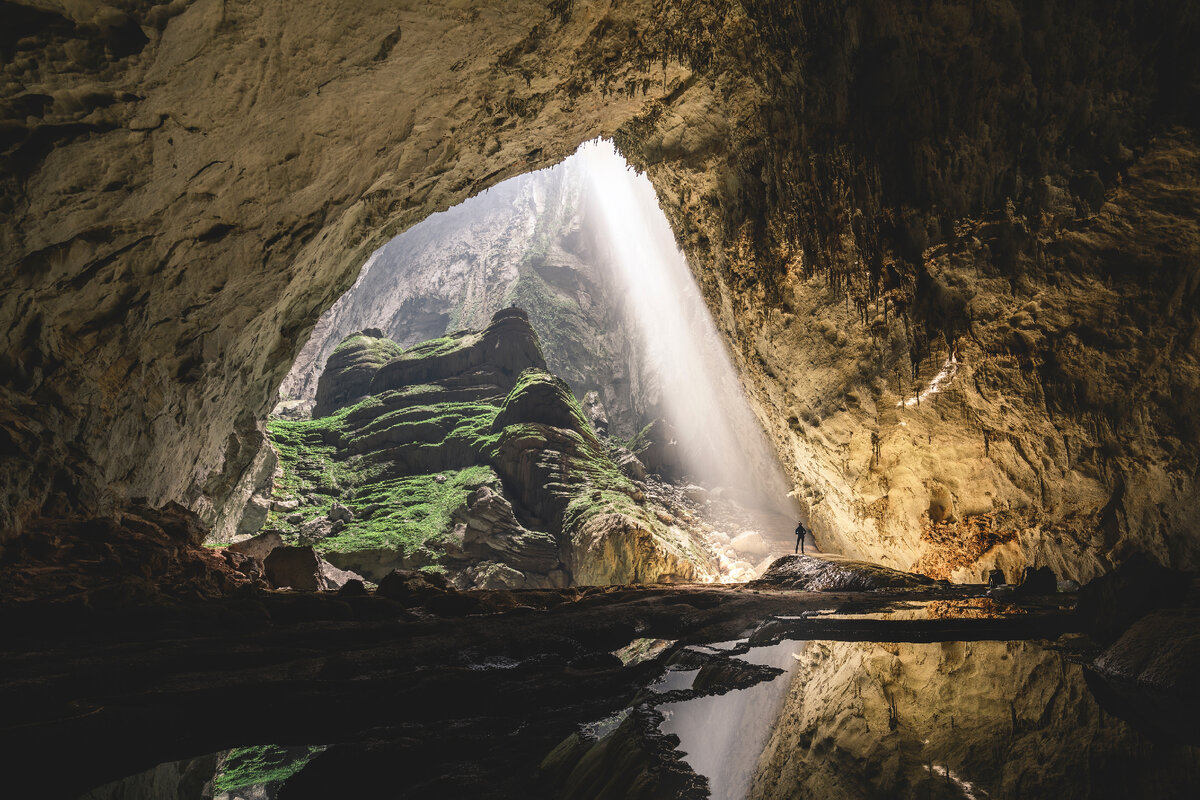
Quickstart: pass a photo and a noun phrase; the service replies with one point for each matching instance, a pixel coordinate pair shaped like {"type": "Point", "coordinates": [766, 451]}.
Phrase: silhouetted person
{"type": "Point", "coordinates": [801, 532]}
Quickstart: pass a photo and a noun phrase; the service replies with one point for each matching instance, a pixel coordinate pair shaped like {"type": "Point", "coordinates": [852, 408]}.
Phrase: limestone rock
{"type": "Point", "coordinates": [491, 575]}
{"type": "Point", "coordinates": [259, 546]}
{"type": "Point", "coordinates": [630, 465]}
{"type": "Point", "coordinates": [301, 568]}
{"type": "Point", "coordinates": [830, 573]}
{"type": "Point", "coordinates": [350, 369]}
{"type": "Point", "coordinates": [339, 513]}
{"type": "Point", "coordinates": [593, 409]}
{"type": "Point", "coordinates": [183, 310]}
{"type": "Point", "coordinates": [315, 530]}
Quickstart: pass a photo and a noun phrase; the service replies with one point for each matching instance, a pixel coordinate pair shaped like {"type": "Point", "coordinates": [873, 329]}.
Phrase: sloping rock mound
{"type": "Point", "coordinates": [830, 573]}
{"type": "Point", "coordinates": [351, 368]}
{"type": "Point", "coordinates": [498, 354]}
{"type": "Point", "coordinates": [468, 456]}
{"type": "Point", "coordinates": [1150, 674]}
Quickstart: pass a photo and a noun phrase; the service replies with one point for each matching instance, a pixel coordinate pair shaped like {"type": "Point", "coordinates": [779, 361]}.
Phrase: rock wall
{"type": "Point", "coordinates": [861, 191]}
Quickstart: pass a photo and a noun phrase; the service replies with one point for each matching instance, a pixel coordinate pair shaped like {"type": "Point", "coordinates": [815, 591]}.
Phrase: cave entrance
{"type": "Point", "coordinates": [583, 249]}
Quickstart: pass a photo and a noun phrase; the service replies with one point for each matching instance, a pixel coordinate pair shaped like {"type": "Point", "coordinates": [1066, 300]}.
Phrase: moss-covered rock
{"type": "Point", "coordinates": [350, 369]}
{"type": "Point", "coordinates": [468, 456]}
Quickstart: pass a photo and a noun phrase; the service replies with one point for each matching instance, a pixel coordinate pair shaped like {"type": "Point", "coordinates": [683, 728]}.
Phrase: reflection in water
{"type": "Point", "coordinates": [953, 719]}
{"type": "Point", "coordinates": [723, 735]}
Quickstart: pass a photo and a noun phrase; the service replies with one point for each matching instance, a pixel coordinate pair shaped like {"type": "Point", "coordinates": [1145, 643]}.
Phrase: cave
{"type": "Point", "coordinates": [951, 251]}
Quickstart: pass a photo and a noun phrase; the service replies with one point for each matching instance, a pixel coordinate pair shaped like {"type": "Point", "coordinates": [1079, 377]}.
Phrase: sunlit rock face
{"type": "Point", "coordinates": [464, 455]}
{"type": "Point", "coordinates": [861, 193]}
{"type": "Point", "coordinates": [952, 720]}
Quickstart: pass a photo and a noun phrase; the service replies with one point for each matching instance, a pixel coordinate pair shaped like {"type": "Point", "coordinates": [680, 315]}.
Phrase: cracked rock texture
{"type": "Point", "coordinates": [862, 193]}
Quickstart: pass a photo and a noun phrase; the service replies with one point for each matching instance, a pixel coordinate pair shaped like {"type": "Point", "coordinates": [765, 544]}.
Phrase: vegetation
{"type": "Point", "coordinates": [404, 460]}
{"type": "Point", "coordinates": [262, 764]}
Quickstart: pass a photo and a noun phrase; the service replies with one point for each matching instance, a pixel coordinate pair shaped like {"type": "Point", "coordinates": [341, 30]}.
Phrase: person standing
{"type": "Point", "coordinates": [801, 532]}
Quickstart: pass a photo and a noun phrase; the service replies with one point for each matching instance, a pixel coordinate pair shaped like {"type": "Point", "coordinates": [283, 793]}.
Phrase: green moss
{"type": "Point", "coordinates": [443, 345]}
{"type": "Point", "coordinates": [409, 513]}
{"type": "Point", "coordinates": [262, 764]}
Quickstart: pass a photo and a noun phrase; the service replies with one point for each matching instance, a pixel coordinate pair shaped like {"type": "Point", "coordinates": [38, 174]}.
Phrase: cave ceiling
{"type": "Point", "coordinates": [862, 191]}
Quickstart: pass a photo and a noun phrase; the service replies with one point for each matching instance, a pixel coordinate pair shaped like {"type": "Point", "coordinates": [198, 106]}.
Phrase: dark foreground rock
{"type": "Point", "coordinates": [832, 573]}
{"type": "Point", "coordinates": [418, 696]}
{"type": "Point", "coordinates": [1149, 675]}
{"type": "Point", "coordinates": [136, 555]}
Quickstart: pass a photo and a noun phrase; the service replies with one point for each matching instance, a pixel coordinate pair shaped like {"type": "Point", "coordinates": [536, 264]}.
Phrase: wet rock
{"type": "Point", "coordinates": [1150, 674]}
{"type": "Point", "coordinates": [259, 546]}
{"type": "Point", "coordinates": [830, 573]}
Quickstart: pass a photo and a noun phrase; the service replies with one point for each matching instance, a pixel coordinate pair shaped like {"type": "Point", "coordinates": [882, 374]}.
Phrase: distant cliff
{"type": "Point", "coordinates": [529, 242]}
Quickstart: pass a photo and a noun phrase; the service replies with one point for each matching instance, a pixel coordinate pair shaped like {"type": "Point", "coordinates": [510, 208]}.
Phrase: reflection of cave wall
{"type": "Point", "coordinates": [180, 207]}
{"type": "Point", "coordinates": [1009, 718]}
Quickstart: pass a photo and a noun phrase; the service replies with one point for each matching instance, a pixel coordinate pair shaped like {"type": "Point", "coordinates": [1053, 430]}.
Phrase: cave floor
{"type": "Point", "coordinates": [473, 688]}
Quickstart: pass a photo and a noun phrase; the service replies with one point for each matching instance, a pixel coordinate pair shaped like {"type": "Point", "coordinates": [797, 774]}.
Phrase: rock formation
{"type": "Point", "coordinates": [463, 454]}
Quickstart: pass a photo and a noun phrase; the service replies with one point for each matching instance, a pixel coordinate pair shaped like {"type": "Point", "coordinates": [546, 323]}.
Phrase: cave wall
{"type": "Point", "coordinates": [860, 190]}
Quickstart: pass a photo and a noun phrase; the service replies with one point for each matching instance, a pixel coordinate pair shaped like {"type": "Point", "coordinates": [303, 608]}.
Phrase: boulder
{"type": "Point", "coordinates": [259, 546]}
{"type": "Point", "coordinates": [408, 585]}
{"type": "Point", "coordinates": [830, 573]}
{"type": "Point", "coordinates": [491, 575]}
{"type": "Point", "coordinates": [354, 587]}
{"type": "Point", "coordinates": [630, 465]}
{"type": "Point", "coordinates": [301, 568]}
{"type": "Point", "coordinates": [490, 532]}
{"type": "Point", "coordinates": [294, 568]}
{"type": "Point", "coordinates": [315, 530]}
{"type": "Point", "coordinates": [339, 513]}
{"type": "Point", "coordinates": [1148, 676]}
{"type": "Point", "coordinates": [285, 505]}
{"type": "Point", "coordinates": [334, 578]}
{"type": "Point", "coordinates": [595, 413]}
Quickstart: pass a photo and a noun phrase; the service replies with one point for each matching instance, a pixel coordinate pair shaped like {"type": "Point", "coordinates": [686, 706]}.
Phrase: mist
{"type": "Point", "coordinates": [720, 441]}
